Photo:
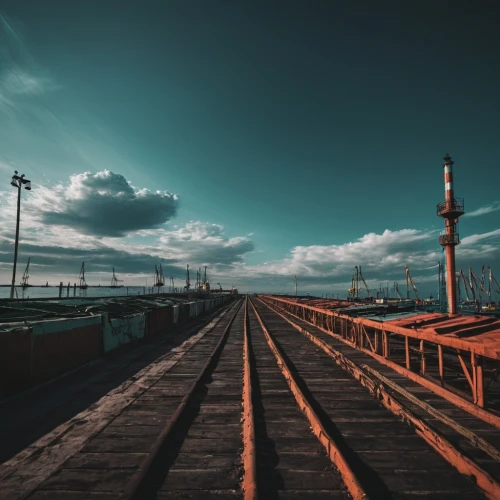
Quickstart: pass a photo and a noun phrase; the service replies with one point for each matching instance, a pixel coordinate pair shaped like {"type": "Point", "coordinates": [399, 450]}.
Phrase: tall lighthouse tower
{"type": "Point", "coordinates": [450, 209]}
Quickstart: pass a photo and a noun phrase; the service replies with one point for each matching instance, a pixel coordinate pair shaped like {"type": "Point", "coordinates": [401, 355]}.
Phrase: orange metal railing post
{"type": "Point", "coordinates": [441, 364]}
{"type": "Point", "coordinates": [385, 346]}
{"type": "Point", "coordinates": [422, 359]}
{"type": "Point", "coordinates": [480, 383]}
{"type": "Point", "coordinates": [477, 379]}
{"type": "Point", "coordinates": [407, 353]}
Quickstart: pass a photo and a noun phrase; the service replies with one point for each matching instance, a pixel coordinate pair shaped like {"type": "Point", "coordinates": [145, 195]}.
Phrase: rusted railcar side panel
{"type": "Point", "coordinates": [81, 345]}
{"type": "Point", "coordinates": [159, 321]}
{"type": "Point", "coordinates": [15, 355]}
{"type": "Point", "coordinates": [56, 353]}
{"type": "Point", "coordinates": [27, 359]}
{"type": "Point", "coordinates": [184, 310]}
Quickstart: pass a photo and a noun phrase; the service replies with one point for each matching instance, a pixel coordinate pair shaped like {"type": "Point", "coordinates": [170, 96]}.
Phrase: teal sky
{"type": "Point", "coordinates": [285, 130]}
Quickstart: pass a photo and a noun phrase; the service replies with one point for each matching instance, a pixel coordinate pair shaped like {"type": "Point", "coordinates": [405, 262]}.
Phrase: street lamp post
{"type": "Point", "coordinates": [17, 181]}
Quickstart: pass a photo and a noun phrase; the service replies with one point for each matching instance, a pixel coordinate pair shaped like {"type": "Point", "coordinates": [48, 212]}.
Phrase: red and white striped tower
{"type": "Point", "coordinates": [450, 209]}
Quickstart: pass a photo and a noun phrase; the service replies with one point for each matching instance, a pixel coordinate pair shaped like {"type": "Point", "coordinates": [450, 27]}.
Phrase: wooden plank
{"type": "Point", "coordinates": [188, 479]}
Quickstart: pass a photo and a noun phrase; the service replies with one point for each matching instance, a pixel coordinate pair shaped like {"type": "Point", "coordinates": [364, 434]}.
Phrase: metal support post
{"type": "Point", "coordinates": [407, 353]}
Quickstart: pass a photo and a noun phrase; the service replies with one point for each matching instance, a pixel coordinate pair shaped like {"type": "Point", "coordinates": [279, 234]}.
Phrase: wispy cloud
{"type": "Point", "coordinates": [486, 209]}
{"type": "Point", "coordinates": [7, 168]}
{"type": "Point", "coordinates": [20, 74]}
{"type": "Point", "coordinates": [475, 238]}
{"type": "Point", "coordinates": [17, 81]}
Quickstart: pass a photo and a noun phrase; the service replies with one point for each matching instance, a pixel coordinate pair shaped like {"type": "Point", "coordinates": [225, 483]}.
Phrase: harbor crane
{"type": "Point", "coordinates": [359, 275]}
{"type": "Point", "coordinates": [82, 283]}
{"type": "Point", "coordinates": [470, 286]}
{"type": "Point", "coordinates": [481, 284]}
{"type": "Point", "coordinates": [466, 285]}
{"type": "Point", "coordinates": [396, 289]}
{"type": "Point", "coordinates": [188, 282]}
{"type": "Point", "coordinates": [352, 290]}
{"type": "Point", "coordinates": [115, 280]}
{"type": "Point", "coordinates": [493, 281]}
{"type": "Point", "coordinates": [409, 280]}
{"type": "Point", "coordinates": [205, 284]}
{"type": "Point", "coordinates": [24, 280]}
{"type": "Point", "coordinates": [475, 283]}
{"type": "Point", "coordinates": [459, 294]}
{"type": "Point", "coordinates": [159, 279]}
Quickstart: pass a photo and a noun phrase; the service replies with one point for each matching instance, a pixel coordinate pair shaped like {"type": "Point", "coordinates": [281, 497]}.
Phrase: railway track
{"type": "Point", "coordinates": [263, 407]}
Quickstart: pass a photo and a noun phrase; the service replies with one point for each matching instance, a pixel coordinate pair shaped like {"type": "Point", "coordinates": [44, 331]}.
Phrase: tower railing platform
{"type": "Point", "coordinates": [449, 239]}
{"type": "Point", "coordinates": [451, 208]}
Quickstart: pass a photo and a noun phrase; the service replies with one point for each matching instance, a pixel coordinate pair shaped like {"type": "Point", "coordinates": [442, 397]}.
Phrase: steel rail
{"type": "Point", "coordinates": [249, 483]}
{"type": "Point", "coordinates": [137, 482]}
{"type": "Point", "coordinates": [457, 400]}
{"type": "Point", "coordinates": [332, 450]}
{"type": "Point", "coordinates": [434, 438]}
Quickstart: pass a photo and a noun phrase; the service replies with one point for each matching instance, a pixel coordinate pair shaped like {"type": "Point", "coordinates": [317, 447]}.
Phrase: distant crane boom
{"type": "Point", "coordinates": [352, 290]}
{"type": "Point", "coordinates": [483, 271]}
{"type": "Point", "coordinates": [363, 279]}
{"type": "Point", "coordinates": [494, 282]}
{"type": "Point", "coordinates": [396, 289]}
{"type": "Point", "coordinates": [24, 280]}
{"type": "Point", "coordinates": [83, 283]}
{"type": "Point", "coordinates": [159, 279]}
{"type": "Point", "coordinates": [475, 281]}
{"type": "Point", "coordinates": [466, 284]}
{"type": "Point", "coordinates": [114, 279]}
{"type": "Point", "coordinates": [471, 285]}
{"type": "Point", "coordinates": [410, 280]}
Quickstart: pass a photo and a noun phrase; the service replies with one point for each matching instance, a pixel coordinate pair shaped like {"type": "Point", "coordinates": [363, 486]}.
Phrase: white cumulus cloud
{"type": "Point", "coordinates": [104, 204]}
